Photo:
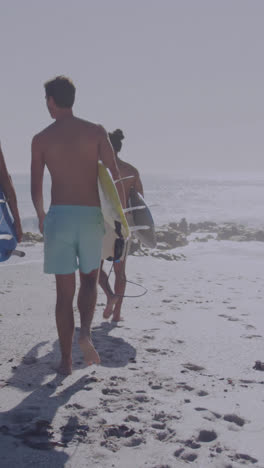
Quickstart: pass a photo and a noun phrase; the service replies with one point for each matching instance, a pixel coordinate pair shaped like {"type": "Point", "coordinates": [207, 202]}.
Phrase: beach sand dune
{"type": "Point", "coordinates": [176, 384]}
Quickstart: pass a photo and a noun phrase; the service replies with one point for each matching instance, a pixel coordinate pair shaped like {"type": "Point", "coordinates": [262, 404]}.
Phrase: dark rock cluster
{"type": "Point", "coordinates": [176, 234]}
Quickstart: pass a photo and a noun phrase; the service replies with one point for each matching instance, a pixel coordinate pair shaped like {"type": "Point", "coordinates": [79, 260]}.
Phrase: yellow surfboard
{"type": "Point", "coordinates": [110, 202]}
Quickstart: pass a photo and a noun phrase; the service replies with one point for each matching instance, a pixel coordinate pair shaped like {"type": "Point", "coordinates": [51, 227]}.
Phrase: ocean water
{"type": "Point", "coordinates": [170, 198]}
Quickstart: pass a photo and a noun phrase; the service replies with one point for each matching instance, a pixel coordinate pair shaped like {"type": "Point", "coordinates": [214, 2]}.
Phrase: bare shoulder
{"type": "Point", "coordinates": [101, 132]}
{"type": "Point", "coordinates": [94, 128]}
{"type": "Point", "coordinates": [40, 137]}
{"type": "Point", "coordinates": [129, 169]}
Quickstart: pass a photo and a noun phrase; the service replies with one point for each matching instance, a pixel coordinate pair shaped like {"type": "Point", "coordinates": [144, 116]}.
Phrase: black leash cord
{"type": "Point", "coordinates": [131, 282]}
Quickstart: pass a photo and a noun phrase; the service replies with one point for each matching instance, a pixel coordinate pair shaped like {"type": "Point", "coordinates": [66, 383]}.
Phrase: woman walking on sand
{"type": "Point", "coordinates": [131, 180]}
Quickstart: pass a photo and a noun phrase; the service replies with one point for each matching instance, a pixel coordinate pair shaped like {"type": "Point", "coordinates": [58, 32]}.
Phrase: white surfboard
{"type": "Point", "coordinates": [116, 225]}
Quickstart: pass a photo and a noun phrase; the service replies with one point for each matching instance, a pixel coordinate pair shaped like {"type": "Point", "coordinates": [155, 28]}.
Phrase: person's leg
{"type": "Point", "coordinates": [86, 304]}
{"type": "Point", "coordinates": [120, 286]}
{"type": "Point", "coordinates": [110, 297]}
{"type": "Point", "coordinates": [65, 285]}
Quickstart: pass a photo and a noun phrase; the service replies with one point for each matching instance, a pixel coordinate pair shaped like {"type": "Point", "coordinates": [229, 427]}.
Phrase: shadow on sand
{"type": "Point", "coordinates": [29, 425]}
{"type": "Point", "coordinates": [27, 434]}
{"type": "Point", "coordinates": [114, 352]}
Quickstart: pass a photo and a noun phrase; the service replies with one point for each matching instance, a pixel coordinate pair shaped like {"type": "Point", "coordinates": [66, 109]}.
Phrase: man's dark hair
{"type": "Point", "coordinates": [116, 138]}
{"type": "Point", "coordinates": [62, 90]}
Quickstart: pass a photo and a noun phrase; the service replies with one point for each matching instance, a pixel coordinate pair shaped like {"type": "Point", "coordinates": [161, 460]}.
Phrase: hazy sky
{"type": "Point", "coordinates": [184, 79]}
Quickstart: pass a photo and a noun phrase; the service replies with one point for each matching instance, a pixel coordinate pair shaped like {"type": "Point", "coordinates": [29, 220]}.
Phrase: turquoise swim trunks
{"type": "Point", "coordinates": [73, 238]}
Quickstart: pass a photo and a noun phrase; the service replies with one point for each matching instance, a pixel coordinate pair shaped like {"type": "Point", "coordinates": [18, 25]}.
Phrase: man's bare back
{"type": "Point", "coordinates": [70, 152]}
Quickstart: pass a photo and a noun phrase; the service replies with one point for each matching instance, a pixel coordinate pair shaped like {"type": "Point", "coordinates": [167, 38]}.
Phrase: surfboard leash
{"type": "Point", "coordinates": [127, 281]}
{"type": "Point", "coordinates": [131, 282]}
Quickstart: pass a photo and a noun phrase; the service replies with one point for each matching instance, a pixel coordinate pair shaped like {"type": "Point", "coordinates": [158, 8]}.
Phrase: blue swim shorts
{"type": "Point", "coordinates": [73, 238]}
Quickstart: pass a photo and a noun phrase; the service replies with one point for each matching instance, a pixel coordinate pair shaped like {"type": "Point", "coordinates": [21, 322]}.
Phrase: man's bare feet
{"type": "Point", "coordinates": [89, 352]}
{"type": "Point", "coordinates": [64, 368]}
{"type": "Point", "coordinates": [109, 306]}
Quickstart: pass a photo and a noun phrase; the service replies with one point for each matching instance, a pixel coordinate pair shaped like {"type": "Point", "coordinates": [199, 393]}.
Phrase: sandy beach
{"type": "Point", "coordinates": [176, 385]}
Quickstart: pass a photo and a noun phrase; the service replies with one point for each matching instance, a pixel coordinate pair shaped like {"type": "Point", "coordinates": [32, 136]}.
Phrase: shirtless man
{"type": "Point", "coordinates": [73, 227]}
{"type": "Point", "coordinates": [10, 194]}
{"type": "Point", "coordinates": [115, 299]}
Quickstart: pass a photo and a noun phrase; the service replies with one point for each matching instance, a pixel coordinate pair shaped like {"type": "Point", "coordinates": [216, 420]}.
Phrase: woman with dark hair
{"type": "Point", "coordinates": [115, 299]}
{"type": "Point", "coordinates": [10, 194]}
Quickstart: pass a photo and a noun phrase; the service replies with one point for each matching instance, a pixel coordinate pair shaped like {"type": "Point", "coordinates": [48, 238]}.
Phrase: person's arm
{"type": "Point", "coordinates": [107, 156]}
{"type": "Point", "coordinates": [138, 184]}
{"type": "Point", "coordinates": [37, 172]}
{"type": "Point", "coordinates": [10, 194]}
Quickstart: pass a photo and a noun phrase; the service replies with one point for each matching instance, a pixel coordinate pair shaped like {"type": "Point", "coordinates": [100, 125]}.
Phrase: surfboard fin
{"type": "Point", "coordinates": [138, 228]}
{"type": "Point", "coordinates": [123, 178]}
{"type": "Point", "coordinates": [133, 208]}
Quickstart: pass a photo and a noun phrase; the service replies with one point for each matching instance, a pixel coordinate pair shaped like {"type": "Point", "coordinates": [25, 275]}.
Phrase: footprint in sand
{"type": "Point", "coordinates": [202, 393]}
{"type": "Point", "coordinates": [163, 417]}
{"type": "Point", "coordinates": [111, 391]}
{"type": "Point", "coordinates": [206, 436]}
{"type": "Point", "coordinates": [242, 457]}
{"type": "Point", "coordinates": [193, 367]}
{"type": "Point", "coordinates": [134, 441]}
{"type": "Point", "coordinates": [159, 426]}
{"type": "Point", "coordinates": [73, 430]}
{"type": "Point", "coordinates": [189, 456]}
{"type": "Point", "coordinates": [115, 378]}
{"type": "Point", "coordinates": [118, 431]}
{"type": "Point", "coordinates": [156, 387]}
{"type": "Point", "coordinates": [178, 452]}
{"type": "Point", "coordinates": [141, 399]}
{"type": "Point", "coordinates": [192, 444]}
{"type": "Point", "coordinates": [74, 405]}
{"type": "Point", "coordinates": [165, 436]}
{"type": "Point", "coordinates": [132, 418]}
{"type": "Point", "coordinates": [184, 386]}
{"type": "Point", "coordinates": [234, 419]}
{"type": "Point", "coordinates": [210, 417]}
{"type": "Point", "coordinates": [229, 318]}
{"type": "Point", "coordinates": [89, 413]}
{"type": "Point", "coordinates": [186, 456]}
{"type": "Point", "coordinates": [110, 445]}
{"type": "Point", "coordinates": [152, 350]}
